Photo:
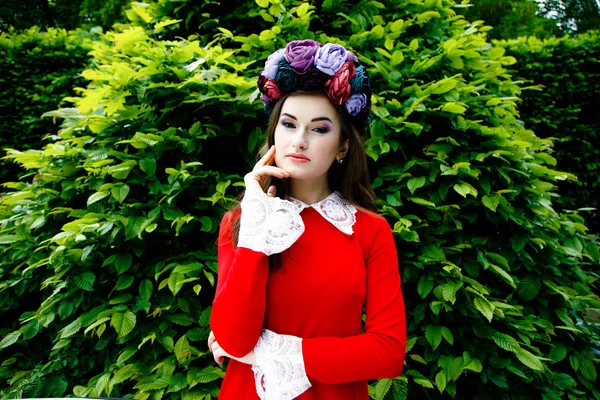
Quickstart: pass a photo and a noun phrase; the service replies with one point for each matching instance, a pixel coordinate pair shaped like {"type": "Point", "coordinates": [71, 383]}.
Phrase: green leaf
{"type": "Point", "coordinates": [123, 262]}
{"type": "Point", "coordinates": [491, 202]}
{"type": "Point", "coordinates": [31, 329]}
{"type": "Point", "coordinates": [206, 224]}
{"type": "Point", "coordinates": [397, 58]}
{"type": "Point", "coordinates": [506, 342]}
{"type": "Point", "coordinates": [148, 165]}
{"type": "Point", "coordinates": [415, 183]}
{"type": "Point", "coordinates": [181, 319]}
{"type": "Point", "coordinates": [57, 386]}
{"type": "Point", "coordinates": [85, 281]}
{"type": "Point", "coordinates": [97, 197]}
{"type": "Point", "coordinates": [586, 368]}
{"type": "Point", "coordinates": [71, 329]}
{"type": "Point", "coordinates": [204, 320]}
{"type": "Point", "coordinates": [433, 334]}
{"type": "Point", "coordinates": [120, 192]}
{"type": "Point", "coordinates": [126, 355]}
{"type": "Point", "coordinates": [424, 382]}
{"type": "Point", "coordinates": [7, 239]}
{"type": "Point", "coordinates": [196, 334]}
{"type": "Point", "coordinates": [382, 388]}
{"type": "Point", "coordinates": [182, 349]}
{"type": "Point", "coordinates": [440, 381]}
{"type": "Point", "coordinates": [454, 108]}
{"type": "Point", "coordinates": [484, 307]}
{"type": "Point", "coordinates": [529, 287]}
{"type": "Point", "coordinates": [123, 322]}
{"type": "Point", "coordinates": [503, 274]}
{"type": "Point", "coordinates": [424, 287]}
{"type": "Point", "coordinates": [197, 289]}
{"type": "Point", "coordinates": [167, 342]}
{"type": "Point", "coordinates": [177, 382]}
{"type": "Point", "coordinates": [124, 282]}
{"type": "Point", "coordinates": [145, 289]}
{"type": "Point", "coordinates": [10, 339]}
{"type": "Point", "coordinates": [529, 360]}
{"type": "Point", "coordinates": [447, 334]}
{"type": "Point", "coordinates": [301, 11]}
{"type": "Point", "coordinates": [557, 353]}
{"type": "Point", "coordinates": [563, 381]}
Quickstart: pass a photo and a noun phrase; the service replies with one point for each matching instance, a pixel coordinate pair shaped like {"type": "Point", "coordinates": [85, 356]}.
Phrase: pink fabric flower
{"type": "Point", "coordinates": [338, 86]}
{"type": "Point", "coordinates": [271, 90]}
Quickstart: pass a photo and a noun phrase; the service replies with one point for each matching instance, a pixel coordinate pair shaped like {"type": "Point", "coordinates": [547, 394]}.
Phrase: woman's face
{"type": "Point", "coordinates": [307, 136]}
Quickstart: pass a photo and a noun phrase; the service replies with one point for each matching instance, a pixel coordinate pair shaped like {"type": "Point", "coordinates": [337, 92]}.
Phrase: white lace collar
{"type": "Point", "coordinates": [335, 209]}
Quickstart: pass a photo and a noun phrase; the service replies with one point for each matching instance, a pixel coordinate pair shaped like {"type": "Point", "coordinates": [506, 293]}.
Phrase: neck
{"type": "Point", "coordinates": [309, 191]}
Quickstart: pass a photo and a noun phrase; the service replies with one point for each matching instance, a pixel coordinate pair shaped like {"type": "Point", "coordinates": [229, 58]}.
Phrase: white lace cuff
{"type": "Point", "coordinates": [279, 372]}
{"type": "Point", "coordinates": [268, 224]}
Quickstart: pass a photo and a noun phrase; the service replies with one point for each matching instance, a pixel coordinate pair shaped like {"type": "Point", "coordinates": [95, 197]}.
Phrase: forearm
{"type": "Point", "coordinates": [239, 305]}
{"type": "Point", "coordinates": [333, 360]}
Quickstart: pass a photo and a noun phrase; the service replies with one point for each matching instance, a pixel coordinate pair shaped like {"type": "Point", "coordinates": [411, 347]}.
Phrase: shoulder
{"type": "Point", "coordinates": [371, 229]}
{"type": "Point", "coordinates": [369, 221]}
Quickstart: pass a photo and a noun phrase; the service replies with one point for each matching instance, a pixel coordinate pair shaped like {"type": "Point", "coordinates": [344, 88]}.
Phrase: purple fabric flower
{"type": "Point", "coordinates": [272, 64]}
{"type": "Point", "coordinates": [356, 103]}
{"type": "Point", "coordinates": [330, 58]}
{"type": "Point", "coordinates": [350, 56]}
{"type": "Point", "coordinates": [261, 82]}
{"type": "Point", "coordinates": [361, 81]}
{"type": "Point", "coordinates": [266, 99]}
{"type": "Point", "coordinates": [286, 77]}
{"type": "Point", "coordinates": [301, 54]}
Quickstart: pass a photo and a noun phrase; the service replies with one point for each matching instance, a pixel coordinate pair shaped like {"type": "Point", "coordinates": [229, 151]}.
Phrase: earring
{"type": "Point", "coordinates": [341, 160]}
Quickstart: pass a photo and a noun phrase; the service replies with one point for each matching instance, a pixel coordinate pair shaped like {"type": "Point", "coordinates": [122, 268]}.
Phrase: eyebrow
{"type": "Point", "coordinates": [313, 120]}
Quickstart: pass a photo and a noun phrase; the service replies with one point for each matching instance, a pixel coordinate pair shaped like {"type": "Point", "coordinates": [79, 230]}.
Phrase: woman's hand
{"type": "Point", "coordinates": [219, 354]}
{"type": "Point", "coordinates": [255, 179]}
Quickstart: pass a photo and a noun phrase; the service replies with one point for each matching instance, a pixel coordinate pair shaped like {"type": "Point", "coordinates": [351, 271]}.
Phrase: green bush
{"type": "Point", "coordinates": [566, 69]}
{"type": "Point", "coordinates": [37, 70]}
{"type": "Point", "coordinates": [108, 261]}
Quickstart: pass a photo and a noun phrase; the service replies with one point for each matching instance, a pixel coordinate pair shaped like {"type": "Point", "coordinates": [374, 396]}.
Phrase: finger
{"type": "Point", "coordinates": [272, 191]}
{"type": "Point", "coordinates": [219, 356]}
{"type": "Point", "coordinates": [271, 170]}
{"type": "Point", "coordinates": [268, 155]}
{"type": "Point", "coordinates": [215, 346]}
{"type": "Point", "coordinates": [211, 339]}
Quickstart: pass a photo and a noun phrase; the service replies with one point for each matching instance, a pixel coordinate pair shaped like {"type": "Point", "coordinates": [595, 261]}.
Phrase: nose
{"type": "Point", "coordinates": [299, 141]}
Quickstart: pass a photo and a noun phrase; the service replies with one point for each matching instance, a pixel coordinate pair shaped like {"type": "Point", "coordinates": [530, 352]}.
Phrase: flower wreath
{"type": "Point", "coordinates": [310, 66]}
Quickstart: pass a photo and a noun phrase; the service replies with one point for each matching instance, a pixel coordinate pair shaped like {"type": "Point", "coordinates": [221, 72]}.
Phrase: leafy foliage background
{"type": "Point", "coordinates": [565, 107]}
{"type": "Point", "coordinates": [37, 70]}
{"type": "Point", "coordinates": [108, 261]}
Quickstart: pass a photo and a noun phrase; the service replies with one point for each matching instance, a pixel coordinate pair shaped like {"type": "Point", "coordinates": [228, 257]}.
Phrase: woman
{"type": "Point", "coordinates": [298, 263]}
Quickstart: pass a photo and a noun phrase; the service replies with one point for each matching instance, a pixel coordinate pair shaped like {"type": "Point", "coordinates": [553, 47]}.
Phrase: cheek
{"type": "Point", "coordinates": [279, 147]}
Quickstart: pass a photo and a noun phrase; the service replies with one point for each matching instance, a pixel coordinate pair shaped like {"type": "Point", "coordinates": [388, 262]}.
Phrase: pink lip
{"type": "Point", "coordinates": [299, 157]}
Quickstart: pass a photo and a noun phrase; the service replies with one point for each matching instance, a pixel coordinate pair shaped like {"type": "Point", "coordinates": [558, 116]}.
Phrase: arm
{"type": "Point", "coordinates": [239, 304]}
{"type": "Point", "coordinates": [268, 225]}
{"type": "Point", "coordinates": [378, 353]}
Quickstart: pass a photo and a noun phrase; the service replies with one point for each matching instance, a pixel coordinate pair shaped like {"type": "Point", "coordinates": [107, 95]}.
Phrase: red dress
{"type": "Point", "coordinates": [318, 294]}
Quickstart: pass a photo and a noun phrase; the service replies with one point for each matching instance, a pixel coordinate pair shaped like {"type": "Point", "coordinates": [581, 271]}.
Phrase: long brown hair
{"type": "Point", "coordinates": [350, 178]}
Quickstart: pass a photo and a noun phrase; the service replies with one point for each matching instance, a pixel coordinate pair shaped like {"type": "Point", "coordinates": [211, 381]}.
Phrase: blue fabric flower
{"type": "Point", "coordinates": [356, 103]}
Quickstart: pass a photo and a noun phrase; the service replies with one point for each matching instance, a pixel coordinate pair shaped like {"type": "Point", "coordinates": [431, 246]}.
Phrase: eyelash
{"type": "Point", "coordinates": [285, 124]}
